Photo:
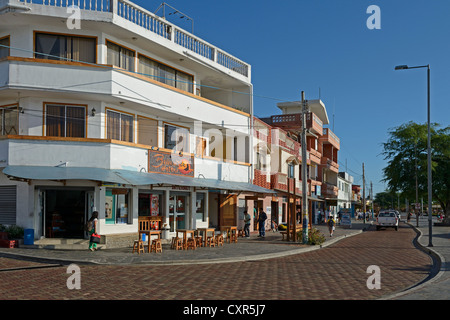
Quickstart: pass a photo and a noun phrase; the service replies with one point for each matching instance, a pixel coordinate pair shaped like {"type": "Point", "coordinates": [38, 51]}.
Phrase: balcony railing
{"type": "Point", "coordinates": [330, 137]}
{"type": "Point", "coordinates": [152, 22]}
{"type": "Point", "coordinates": [294, 122]}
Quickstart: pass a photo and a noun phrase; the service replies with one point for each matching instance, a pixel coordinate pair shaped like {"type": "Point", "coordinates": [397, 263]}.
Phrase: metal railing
{"type": "Point", "coordinates": [152, 22]}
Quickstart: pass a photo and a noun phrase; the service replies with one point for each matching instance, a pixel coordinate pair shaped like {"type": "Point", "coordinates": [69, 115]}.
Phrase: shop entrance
{"type": "Point", "coordinates": [178, 204]}
{"type": "Point", "coordinates": [65, 213]}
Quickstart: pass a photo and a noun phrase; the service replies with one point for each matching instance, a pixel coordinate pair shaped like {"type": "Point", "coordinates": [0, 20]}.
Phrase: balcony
{"type": "Point", "coordinates": [294, 122]}
{"type": "Point", "coordinates": [329, 190]}
{"type": "Point", "coordinates": [329, 137]}
{"type": "Point", "coordinates": [130, 16]}
{"type": "Point", "coordinates": [112, 84]}
{"type": "Point", "coordinates": [330, 164]}
{"type": "Point", "coordinates": [278, 181]}
{"type": "Point", "coordinates": [315, 156]}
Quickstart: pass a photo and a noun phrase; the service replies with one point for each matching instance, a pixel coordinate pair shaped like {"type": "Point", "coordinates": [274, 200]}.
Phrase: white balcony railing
{"type": "Point", "coordinates": [152, 22]}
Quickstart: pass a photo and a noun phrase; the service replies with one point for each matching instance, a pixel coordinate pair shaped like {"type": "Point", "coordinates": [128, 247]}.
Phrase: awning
{"type": "Point", "coordinates": [128, 177]}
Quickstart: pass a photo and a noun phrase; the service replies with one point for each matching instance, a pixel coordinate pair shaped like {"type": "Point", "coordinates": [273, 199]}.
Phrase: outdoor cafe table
{"type": "Point", "coordinates": [185, 232]}
{"type": "Point", "coordinates": [150, 233]}
{"type": "Point", "coordinates": [228, 230]}
{"type": "Point", "coordinates": [205, 233]}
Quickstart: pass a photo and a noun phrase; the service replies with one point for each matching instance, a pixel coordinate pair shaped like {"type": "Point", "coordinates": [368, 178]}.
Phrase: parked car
{"type": "Point", "coordinates": [387, 219]}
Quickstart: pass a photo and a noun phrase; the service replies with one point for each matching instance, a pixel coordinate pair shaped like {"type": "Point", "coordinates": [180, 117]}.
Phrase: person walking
{"type": "Point", "coordinates": [331, 223]}
{"type": "Point", "coordinates": [247, 220]}
{"type": "Point", "coordinates": [92, 228]}
{"type": "Point", "coordinates": [262, 220]}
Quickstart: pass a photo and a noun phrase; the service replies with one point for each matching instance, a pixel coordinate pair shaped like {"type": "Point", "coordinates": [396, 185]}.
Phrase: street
{"type": "Point", "coordinates": [336, 272]}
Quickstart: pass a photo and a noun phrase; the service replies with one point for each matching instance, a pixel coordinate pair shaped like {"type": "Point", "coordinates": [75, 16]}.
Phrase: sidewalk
{"type": "Point", "coordinates": [252, 248]}
{"type": "Point", "coordinates": [437, 288]}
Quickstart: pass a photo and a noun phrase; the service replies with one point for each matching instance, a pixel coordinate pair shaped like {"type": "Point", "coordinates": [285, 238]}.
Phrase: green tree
{"type": "Point", "coordinates": [406, 153]}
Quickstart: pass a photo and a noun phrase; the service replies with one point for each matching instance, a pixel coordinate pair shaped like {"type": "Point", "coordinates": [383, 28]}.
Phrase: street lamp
{"type": "Point", "coordinates": [430, 197]}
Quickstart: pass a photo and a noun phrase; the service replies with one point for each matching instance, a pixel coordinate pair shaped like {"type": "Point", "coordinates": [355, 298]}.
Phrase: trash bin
{"type": "Point", "coordinates": [143, 237]}
{"type": "Point", "coordinates": [28, 236]}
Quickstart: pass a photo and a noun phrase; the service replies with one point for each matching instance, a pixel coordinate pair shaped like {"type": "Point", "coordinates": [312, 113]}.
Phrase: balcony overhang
{"type": "Point", "coordinates": [315, 106]}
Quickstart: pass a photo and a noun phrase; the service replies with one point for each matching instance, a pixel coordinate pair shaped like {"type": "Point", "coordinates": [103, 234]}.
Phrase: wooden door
{"type": "Point", "coordinates": [228, 210]}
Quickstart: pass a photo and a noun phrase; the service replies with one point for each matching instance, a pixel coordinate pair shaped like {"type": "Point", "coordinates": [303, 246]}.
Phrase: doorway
{"type": "Point", "coordinates": [178, 204]}
{"type": "Point", "coordinates": [64, 213]}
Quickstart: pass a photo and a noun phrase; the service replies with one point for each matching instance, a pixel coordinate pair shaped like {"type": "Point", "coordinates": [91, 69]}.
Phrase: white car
{"type": "Point", "coordinates": [387, 219]}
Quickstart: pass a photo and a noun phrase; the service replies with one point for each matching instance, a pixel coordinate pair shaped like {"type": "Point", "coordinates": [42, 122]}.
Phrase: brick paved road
{"type": "Point", "coordinates": [335, 272]}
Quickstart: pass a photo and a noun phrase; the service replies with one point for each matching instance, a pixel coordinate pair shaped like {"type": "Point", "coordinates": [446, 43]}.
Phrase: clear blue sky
{"type": "Point", "coordinates": [304, 45]}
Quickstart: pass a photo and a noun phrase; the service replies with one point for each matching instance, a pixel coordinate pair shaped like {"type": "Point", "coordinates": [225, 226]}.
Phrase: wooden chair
{"type": "Point", "coordinates": [210, 241]}
{"type": "Point", "coordinates": [156, 246]}
{"type": "Point", "coordinates": [198, 241]}
{"type": "Point", "coordinates": [138, 246]}
{"type": "Point", "coordinates": [190, 244]}
{"type": "Point", "coordinates": [177, 243]}
{"type": "Point", "coordinates": [219, 240]}
{"type": "Point", "coordinates": [233, 236]}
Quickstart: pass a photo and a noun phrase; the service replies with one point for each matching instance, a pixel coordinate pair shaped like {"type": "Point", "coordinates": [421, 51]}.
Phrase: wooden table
{"type": "Point", "coordinates": [205, 233]}
{"type": "Point", "coordinates": [185, 232]}
{"type": "Point", "coordinates": [228, 230]}
{"type": "Point", "coordinates": [150, 233]}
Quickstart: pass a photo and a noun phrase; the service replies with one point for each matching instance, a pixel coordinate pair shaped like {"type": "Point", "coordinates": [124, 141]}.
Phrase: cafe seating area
{"type": "Point", "coordinates": [184, 239]}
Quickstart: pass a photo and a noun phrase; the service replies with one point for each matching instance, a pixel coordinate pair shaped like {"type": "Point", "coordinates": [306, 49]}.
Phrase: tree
{"type": "Point", "coordinates": [406, 153]}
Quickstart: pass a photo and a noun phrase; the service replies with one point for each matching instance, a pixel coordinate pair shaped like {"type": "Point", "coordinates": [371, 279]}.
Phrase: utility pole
{"type": "Point", "coordinates": [364, 194]}
{"type": "Point", "coordinates": [304, 172]}
{"type": "Point", "coordinates": [371, 197]}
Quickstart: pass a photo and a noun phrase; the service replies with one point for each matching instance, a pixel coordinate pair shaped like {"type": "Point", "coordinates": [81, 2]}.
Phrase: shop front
{"type": "Point", "coordinates": [65, 211]}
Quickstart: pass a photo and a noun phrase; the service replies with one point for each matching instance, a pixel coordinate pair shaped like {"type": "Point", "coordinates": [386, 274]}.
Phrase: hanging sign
{"type": "Point", "coordinates": [170, 163]}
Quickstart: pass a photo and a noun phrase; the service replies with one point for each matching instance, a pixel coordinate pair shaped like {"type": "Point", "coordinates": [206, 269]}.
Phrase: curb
{"type": "Point", "coordinates": [258, 257]}
{"type": "Point", "coordinates": [436, 271]}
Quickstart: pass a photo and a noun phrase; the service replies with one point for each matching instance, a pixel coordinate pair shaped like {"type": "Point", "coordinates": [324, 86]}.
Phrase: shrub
{"type": "Point", "coordinates": [13, 231]}
{"type": "Point", "coordinates": [315, 237]}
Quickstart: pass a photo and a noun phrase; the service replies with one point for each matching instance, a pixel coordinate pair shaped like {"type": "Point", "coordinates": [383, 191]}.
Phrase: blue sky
{"type": "Point", "coordinates": [311, 45]}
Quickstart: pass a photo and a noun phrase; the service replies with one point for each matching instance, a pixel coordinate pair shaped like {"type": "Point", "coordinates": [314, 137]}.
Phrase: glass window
{"type": "Point", "coordinates": [176, 138]}
{"type": "Point", "coordinates": [147, 131]}
{"type": "Point", "coordinates": [165, 74]}
{"type": "Point", "coordinates": [61, 47]}
{"type": "Point", "coordinates": [291, 170]}
{"type": "Point", "coordinates": [120, 57]}
{"type": "Point", "coordinates": [9, 120]}
{"type": "Point", "coordinates": [119, 126]}
{"type": "Point", "coordinates": [116, 206]}
{"type": "Point", "coordinates": [65, 121]}
{"type": "Point", "coordinates": [4, 47]}
{"type": "Point", "coordinates": [150, 204]}
{"type": "Point", "coordinates": [200, 205]}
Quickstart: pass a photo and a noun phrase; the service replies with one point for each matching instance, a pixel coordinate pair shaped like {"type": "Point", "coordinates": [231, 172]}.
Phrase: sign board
{"type": "Point", "coordinates": [170, 163]}
{"type": "Point", "coordinates": [346, 218]}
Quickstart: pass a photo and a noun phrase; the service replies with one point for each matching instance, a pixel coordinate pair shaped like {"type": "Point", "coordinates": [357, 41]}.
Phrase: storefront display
{"type": "Point", "coordinates": [116, 206]}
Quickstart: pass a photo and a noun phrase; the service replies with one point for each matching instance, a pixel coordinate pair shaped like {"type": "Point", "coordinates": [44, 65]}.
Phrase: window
{"type": "Point", "coordinates": [200, 148]}
{"type": "Point", "coordinates": [200, 207]}
{"type": "Point", "coordinates": [176, 138]}
{"type": "Point", "coordinates": [165, 74]}
{"type": "Point", "coordinates": [116, 206]}
{"type": "Point", "coordinates": [291, 170]}
{"type": "Point", "coordinates": [4, 47]}
{"type": "Point", "coordinates": [61, 47]}
{"type": "Point", "coordinates": [147, 131]}
{"type": "Point", "coordinates": [65, 121]}
{"type": "Point", "coordinates": [9, 119]}
{"type": "Point", "coordinates": [120, 57]}
{"type": "Point", "coordinates": [119, 126]}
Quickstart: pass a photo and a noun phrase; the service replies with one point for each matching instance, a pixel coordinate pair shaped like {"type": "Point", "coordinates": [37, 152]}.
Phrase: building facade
{"type": "Point", "coordinates": [278, 161]}
{"type": "Point", "coordinates": [128, 115]}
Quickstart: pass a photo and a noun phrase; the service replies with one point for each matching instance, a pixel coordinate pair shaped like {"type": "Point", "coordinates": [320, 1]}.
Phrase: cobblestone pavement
{"type": "Point", "coordinates": [337, 271]}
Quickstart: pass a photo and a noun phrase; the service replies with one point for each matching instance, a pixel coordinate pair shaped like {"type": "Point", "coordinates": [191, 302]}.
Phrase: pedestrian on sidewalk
{"type": "Point", "coordinates": [92, 227]}
{"type": "Point", "coordinates": [262, 220]}
{"type": "Point", "coordinates": [331, 223]}
{"type": "Point", "coordinates": [247, 219]}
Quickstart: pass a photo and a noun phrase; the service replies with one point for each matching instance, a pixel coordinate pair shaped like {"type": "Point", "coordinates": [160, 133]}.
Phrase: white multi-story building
{"type": "Point", "coordinates": [345, 196]}
{"type": "Point", "coordinates": [109, 107]}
